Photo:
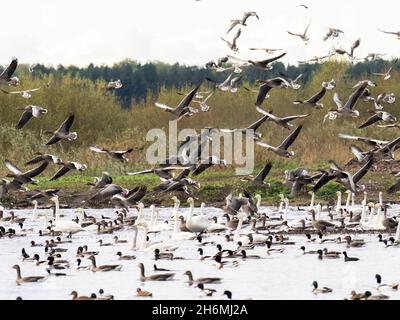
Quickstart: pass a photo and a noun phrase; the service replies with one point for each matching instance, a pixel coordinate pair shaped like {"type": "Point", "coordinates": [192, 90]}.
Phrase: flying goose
{"type": "Point", "coordinates": [242, 21]}
{"type": "Point", "coordinates": [296, 179]}
{"type": "Point", "coordinates": [368, 141]}
{"type": "Point", "coordinates": [6, 77]}
{"type": "Point", "coordinates": [267, 50]}
{"type": "Point", "coordinates": [131, 198]}
{"type": "Point", "coordinates": [264, 65]}
{"type": "Point", "coordinates": [204, 164]}
{"type": "Point", "coordinates": [354, 46]}
{"type": "Point", "coordinates": [22, 178]}
{"type": "Point", "coordinates": [317, 290]}
{"type": "Point", "coordinates": [283, 122]}
{"type": "Point", "coordinates": [396, 33]}
{"type": "Point", "coordinates": [107, 192]}
{"type": "Point", "coordinates": [346, 179]}
{"type": "Point", "coordinates": [217, 65]}
{"type": "Point", "coordinates": [232, 45]}
{"type": "Point", "coordinates": [154, 277]}
{"type": "Point", "coordinates": [103, 268]}
{"type": "Point", "coordinates": [119, 155]}
{"type": "Point", "coordinates": [332, 33]}
{"type": "Point", "coordinates": [43, 157]}
{"type": "Point", "coordinates": [66, 167]}
{"type": "Point", "coordinates": [378, 116]}
{"type": "Point", "coordinates": [102, 182]}
{"type": "Point", "coordinates": [201, 280]}
{"type": "Point", "coordinates": [164, 173]}
{"type": "Point", "coordinates": [303, 36]}
{"type": "Point", "coordinates": [315, 59]}
{"type": "Point", "coordinates": [113, 85]}
{"type": "Point", "coordinates": [304, 6]}
{"type": "Point", "coordinates": [386, 75]}
{"type": "Point", "coordinates": [347, 108]}
{"type": "Point", "coordinates": [254, 126]}
{"type": "Point", "coordinates": [29, 112]}
{"type": "Point", "coordinates": [294, 83]}
{"type": "Point", "coordinates": [258, 180]}
{"type": "Point", "coordinates": [282, 149]}
{"type": "Point", "coordinates": [63, 132]}
{"type": "Point", "coordinates": [183, 109]}
{"type": "Point", "coordinates": [21, 279]}
{"type": "Point", "coordinates": [373, 56]}
{"type": "Point", "coordinates": [229, 84]}
{"type": "Point", "coordinates": [26, 94]}
{"type": "Point", "coordinates": [314, 100]}
{"type": "Point", "coordinates": [267, 85]}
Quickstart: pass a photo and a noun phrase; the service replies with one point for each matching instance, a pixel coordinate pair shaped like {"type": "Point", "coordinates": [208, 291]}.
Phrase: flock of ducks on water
{"type": "Point", "coordinates": [243, 226]}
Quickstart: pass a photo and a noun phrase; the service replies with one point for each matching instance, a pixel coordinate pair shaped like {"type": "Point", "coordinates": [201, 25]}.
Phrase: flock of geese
{"type": "Point", "coordinates": [244, 226]}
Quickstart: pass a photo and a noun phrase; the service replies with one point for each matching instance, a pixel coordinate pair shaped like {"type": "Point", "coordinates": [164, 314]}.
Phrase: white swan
{"type": "Point", "coordinates": [397, 237]}
{"type": "Point", "coordinates": [347, 207]}
{"type": "Point", "coordinates": [312, 200]}
{"type": "Point", "coordinates": [177, 235]}
{"type": "Point", "coordinates": [160, 226]}
{"type": "Point", "coordinates": [196, 223]}
{"type": "Point", "coordinates": [339, 201]}
{"type": "Point", "coordinates": [145, 246]}
{"type": "Point", "coordinates": [139, 220]}
{"type": "Point", "coordinates": [236, 236]}
{"type": "Point", "coordinates": [67, 226]}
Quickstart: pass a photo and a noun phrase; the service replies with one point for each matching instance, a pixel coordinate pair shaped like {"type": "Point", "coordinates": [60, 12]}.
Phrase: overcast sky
{"type": "Point", "coordinates": [186, 31]}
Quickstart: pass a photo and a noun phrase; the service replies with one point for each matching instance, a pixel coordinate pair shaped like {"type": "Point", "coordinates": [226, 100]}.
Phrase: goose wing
{"type": "Point", "coordinates": [66, 125]}
{"type": "Point", "coordinates": [262, 93]}
{"type": "Point", "coordinates": [291, 118]}
{"type": "Point", "coordinates": [36, 171]}
{"type": "Point", "coordinates": [355, 45]}
{"type": "Point", "coordinates": [64, 170]}
{"type": "Point", "coordinates": [233, 24]}
{"type": "Point", "coordinates": [107, 192]}
{"type": "Point", "coordinates": [188, 98]}
{"type": "Point", "coordinates": [258, 123]}
{"type": "Point", "coordinates": [237, 35]}
{"type": "Point", "coordinates": [325, 178]}
{"type": "Point", "coordinates": [394, 188]}
{"type": "Point", "coordinates": [13, 168]}
{"type": "Point", "coordinates": [264, 172]}
{"type": "Point", "coordinates": [315, 98]}
{"type": "Point", "coordinates": [375, 118]}
{"type": "Point", "coordinates": [363, 171]}
{"type": "Point", "coordinates": [25, 117]}
{"type": "Point", "coordinates": [354, 97]}
{"type": "Point", "coordinates": [9, 71]}
{"type": "Point", "coordinates": [291, 138]}
{"type": "Point", "coordinates": [270, 60]}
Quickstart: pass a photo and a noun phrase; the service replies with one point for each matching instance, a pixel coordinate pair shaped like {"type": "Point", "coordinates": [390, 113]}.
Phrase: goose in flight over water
{"type": "Point", "coordinates": [303, 36]}
{"type": "Point", "coordinates": [63, 132]}
{"type": "Point", "coordinates": [282, 149]}
{"type": "Point", "coordinates": [29, 112]}
{"type": "Point", "coordinates": [119, 155]}
{"type": "Point", "coordinates": [6, 77]}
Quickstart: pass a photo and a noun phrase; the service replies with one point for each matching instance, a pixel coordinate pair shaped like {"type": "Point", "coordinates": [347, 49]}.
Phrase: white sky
{"type": "Point", "coordinates": [185, 31]}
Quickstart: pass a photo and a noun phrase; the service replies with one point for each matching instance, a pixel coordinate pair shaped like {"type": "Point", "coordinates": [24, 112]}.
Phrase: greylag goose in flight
{"type": "Point", "coordinates": [265, 64]}
{"type": "Point", "coordinates": [378, 116]}
{"type": "Point", "coordinates": [232, 45]}
{"type": "Point", "coordinates": [316, 59]}
{"type": "Point", "coordinates": [396, 33]}
{"type": "Point", "coordinates": [119, 155]}
{"type": "Point", "coordinates": [63, 132]}
{"type": "Point", "coordinates": [27, 177]}
{"type": "Point", "coordinates": [204, 107]}
{"type": "Point", "coordinates": [267, 50]}
{"type": "Point", "coordinates": [68, 166]}
{"type": "Point", "coordinates": [267, 85]}
{"type": "Point", "coordinates": [386, 75]}
{"type": "Point", "coordinates": [163, 173]}
{"type": "Point", "coordinates": [254, 126]}
{"type": "Point", "coordinates": [314, 100]}
{"type": "Point", "coordinates": [242, 21]}
{"type": "Point", "coordinates": [347, 108]}
{"type": "Point", "coordinates": [113, 85]}
{"type": "Point", "coordinates": [7, 76]}
{"type": "Point", "coordinates": [373, 56]}
{"type": "Point", "coordinates": [102, 182]}
{"type": "Point", "coordinates": [174, 185]}
{"type": "Point", "coordinates": [133, 197]}
{"type": "Point", "coordinates": [26, 94]}
{"type": "Point", "coordinates": [42, 157]}
{"type": "Point", "coordinates": [344, 178]}
{"type": "Point", "coordinates": [395, 187]}
{"type": "Point", "coordinates": [217, 65]}
{"type": "Point", "coordinates": [303, 36]}
{"type": "Point", "coordinates": [282, 122]}
{"type": "Point", "coordinates": [298, 178]}
{"type": "Point", "coordinates": [332, 33]}
{"type": "Point", "coordinates": [354, 46]}
{"type": "Point", "coordinates": [237, 64]}
{"type": "Point", "coordinates": [304, 6]}
{"type": "Point", "coordinates": [107, 192]}
{"type": "Point", "coordinates": [29, 112]}
{"type": "Point", "coordinates": [258, 180]}
{"type": "Point", "coordinates": [282, 149]}
{"type": "Point", "coordinates": [230, 84]}
{"type": "Point", "coordinates": [183, 109]}
{"type": "Point", "coordinates": [368, 141]}
{"type": "Point", "coordinates": [294, 83]}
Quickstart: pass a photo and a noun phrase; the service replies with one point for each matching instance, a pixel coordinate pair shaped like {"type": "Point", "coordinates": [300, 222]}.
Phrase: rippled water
{"type": "Point", "coordinates": [277, 276]}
